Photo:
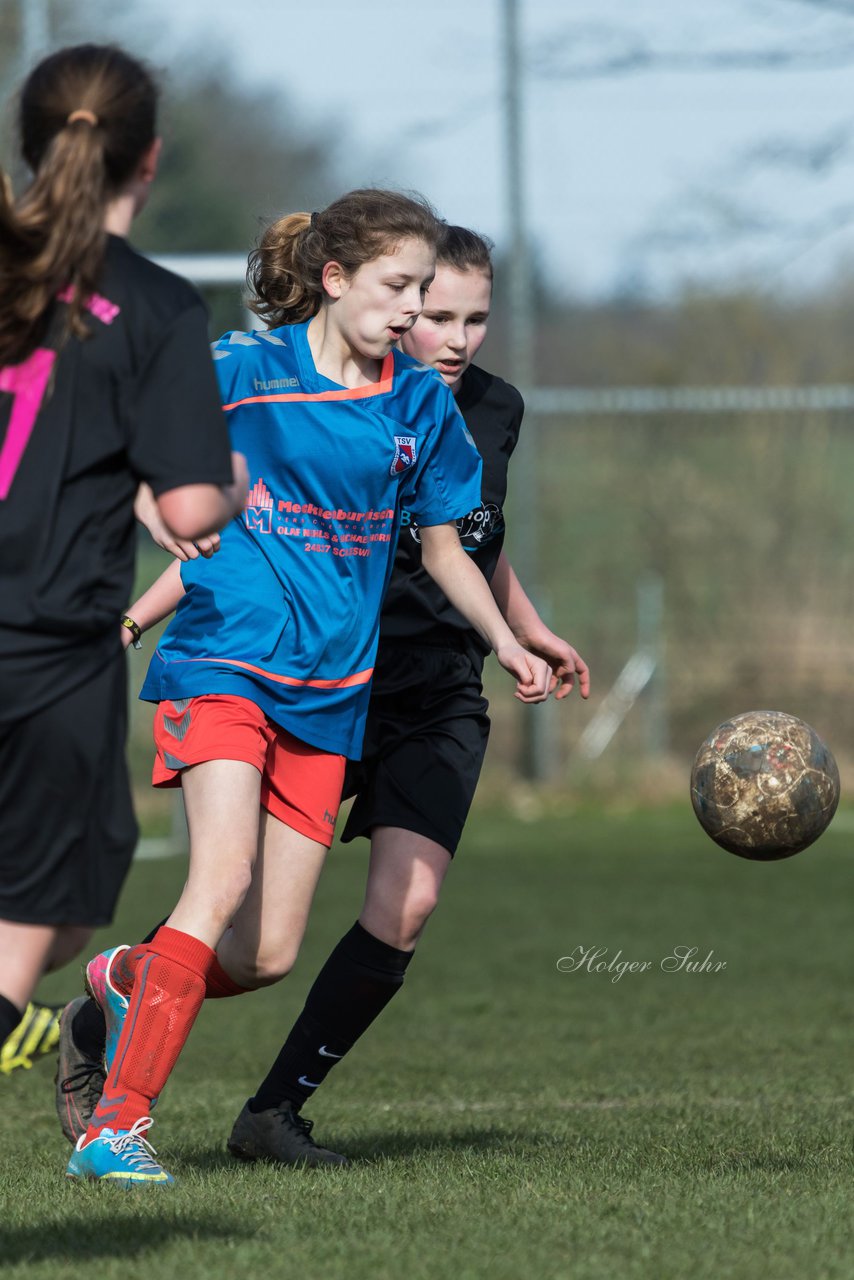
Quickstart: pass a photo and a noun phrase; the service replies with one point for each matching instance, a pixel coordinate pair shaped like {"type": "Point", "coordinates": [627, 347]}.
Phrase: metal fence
{"type": "Point", "coordinates": [696, 545]}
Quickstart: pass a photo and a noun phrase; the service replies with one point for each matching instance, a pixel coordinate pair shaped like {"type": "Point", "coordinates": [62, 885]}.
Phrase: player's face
{"type": "Point", "coordinates": [449, 332]}
{"type": "Point", "coordinates": [382, 301]}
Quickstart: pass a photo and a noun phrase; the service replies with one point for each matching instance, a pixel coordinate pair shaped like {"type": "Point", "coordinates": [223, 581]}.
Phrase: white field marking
{"type": "Point", "coordinates": [604, 1104]}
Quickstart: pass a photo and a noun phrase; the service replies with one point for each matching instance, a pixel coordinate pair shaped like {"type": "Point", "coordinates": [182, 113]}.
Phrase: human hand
{"type": "Point", "coordinates": [533, 674]}
{"type": "Point", "coordinates": [567, 665]}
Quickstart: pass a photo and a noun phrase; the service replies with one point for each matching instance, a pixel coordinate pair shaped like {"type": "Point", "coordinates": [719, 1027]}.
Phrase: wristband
{"type": "Point", "coordinates": [134, 629]}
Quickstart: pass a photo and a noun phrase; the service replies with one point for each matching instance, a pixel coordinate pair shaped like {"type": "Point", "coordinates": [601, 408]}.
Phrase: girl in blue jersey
{"type": "Point", "coordinates": [427, 726]}
{"type": "Point", "coordinates": [263, 677]}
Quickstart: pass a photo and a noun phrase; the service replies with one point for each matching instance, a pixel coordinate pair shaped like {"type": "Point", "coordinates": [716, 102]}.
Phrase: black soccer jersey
{"type": "Point", "coordinates": [137, 400]}
{"type": "Point", "coordinates": [415, 607]}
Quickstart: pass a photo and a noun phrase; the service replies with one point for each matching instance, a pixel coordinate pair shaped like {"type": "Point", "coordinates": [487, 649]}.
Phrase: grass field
{"type": "Point", "coordinates": [505, 1119]}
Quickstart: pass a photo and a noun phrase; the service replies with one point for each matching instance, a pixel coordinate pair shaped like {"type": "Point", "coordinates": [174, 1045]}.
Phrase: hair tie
{"type": "Point", "coordinates": [83, 113]}
{"type": "Point", "coordinates": [313, 221]}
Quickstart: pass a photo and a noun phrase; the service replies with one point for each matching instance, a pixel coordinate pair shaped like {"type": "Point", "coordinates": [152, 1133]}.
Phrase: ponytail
{"type": "Point", "coordinates": [86, 116]}
{"type": "Point", "coordinates": [280, 274]}
{"type": "Point", "coordinates": [57, 240]}
{"type": "Point", "coordinates": [285, 275]}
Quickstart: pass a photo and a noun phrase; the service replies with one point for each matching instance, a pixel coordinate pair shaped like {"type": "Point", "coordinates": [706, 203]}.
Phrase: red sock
{"type": "Point", "coordinates": [124, 966]}
{"type": "Point", "coordinates": [168, 990]}
{"type": "Point", "coordinates": [218, 983]}
{"type": "Point", "coordinates": [221, 984]}
{"type": "Point", "coordinates": [123, 969]}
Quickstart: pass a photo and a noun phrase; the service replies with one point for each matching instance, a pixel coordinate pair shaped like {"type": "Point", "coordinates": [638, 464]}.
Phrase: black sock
{"type": "Point", "coordinates": [353, 987]}
{"type": "Point", "coordinates": [89, 1030]}
{"type": "Point", "coordinates": [10, 1016]}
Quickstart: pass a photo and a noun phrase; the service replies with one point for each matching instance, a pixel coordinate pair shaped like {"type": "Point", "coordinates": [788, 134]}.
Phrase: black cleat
{"type": "Point", "coordinates": [279, 1134]}
{"type": "Point", "coordinates": [79, 1078]}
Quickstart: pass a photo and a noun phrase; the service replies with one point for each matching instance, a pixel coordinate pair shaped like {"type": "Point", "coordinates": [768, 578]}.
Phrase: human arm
{"type": "Point", "coordinates": [147, 512]}
{"type": "Point", "coordinates": [531, 632]}
{"type": "Point", "coordinates": [194, 511]}
{"type": "Point", "coordinates": [465, 586]}
{"type": "Point", "coordinates": [212, 506]}
{"type": "Point", "coordinates": [178, 440]}
{"type": "Point", "coordinates": [155, 604]}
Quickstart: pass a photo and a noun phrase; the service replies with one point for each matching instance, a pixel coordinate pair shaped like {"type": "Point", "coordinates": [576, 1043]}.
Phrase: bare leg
{"type": "Point", "coordinates": [24, 953]}
{"type": "Point", "coordinates": [222, 799]}
{"type": "Point", "coordinates": [267, 931]}
{"type": "Point", "coordinates": [69, 942]}
{"type": "Point", "coordinates": [404, 881]}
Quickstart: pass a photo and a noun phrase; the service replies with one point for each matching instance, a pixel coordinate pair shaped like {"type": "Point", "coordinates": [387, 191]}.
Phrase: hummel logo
{"type": "Point", "coordinates": [274, 384]}
{"type": "Point", "coordinates": [108, 1109]}
{"type": "Point", "coordinates": [324, 1053]}
{"type": "Point", "coordinates": [309, 1084]}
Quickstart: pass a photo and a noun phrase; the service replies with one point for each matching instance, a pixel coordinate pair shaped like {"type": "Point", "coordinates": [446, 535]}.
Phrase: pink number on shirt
{"type": "Point", "coordinates": [26, 383]}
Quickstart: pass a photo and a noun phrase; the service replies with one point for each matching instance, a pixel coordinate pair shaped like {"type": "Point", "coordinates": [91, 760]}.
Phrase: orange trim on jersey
{"type": "Point", "coordinates": [345, 682]}
{"type": "Point", "coordinates": [346, 393]}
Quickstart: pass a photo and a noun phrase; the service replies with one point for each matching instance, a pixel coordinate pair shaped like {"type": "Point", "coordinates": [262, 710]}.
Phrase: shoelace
{"type": "Point", "coordinates": [287, 1116]}
{"type": "Point", "coordinates": [134, 1148]}
{"type": "Point", "coordinates": [81, 1077]}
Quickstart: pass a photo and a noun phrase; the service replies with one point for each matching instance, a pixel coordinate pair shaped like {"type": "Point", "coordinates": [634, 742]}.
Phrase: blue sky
{"type": "Point", "coordinates": [638, 173]}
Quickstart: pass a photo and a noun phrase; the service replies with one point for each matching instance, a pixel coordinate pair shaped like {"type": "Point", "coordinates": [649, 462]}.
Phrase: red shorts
{"type": "Point", "coordinates": [300, 785]}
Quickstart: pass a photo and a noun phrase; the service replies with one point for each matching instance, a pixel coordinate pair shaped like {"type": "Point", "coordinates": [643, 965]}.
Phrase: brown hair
{"type": "Point", "coordinates": [86, 116]}
{"type": "Point", "coordinates": [464, 250]}
{"type": "Point", "coordinates": [285, 270]}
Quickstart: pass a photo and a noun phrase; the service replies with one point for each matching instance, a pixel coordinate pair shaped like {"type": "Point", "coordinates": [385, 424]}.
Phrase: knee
{"type": "Point", "coordinates": [263, 969]}
{"type": "Point", "coordinates": [227, 897]}
{"type": "Point", "coordinates": [418, 911]}
{"type": "Point", "coordinates": [401, 924]}
{"type": "Point", "coordinates": [69, 942]}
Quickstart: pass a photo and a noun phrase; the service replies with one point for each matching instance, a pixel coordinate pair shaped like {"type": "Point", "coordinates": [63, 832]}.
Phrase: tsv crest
{"type": "Point", "coordinates": [404, 454]}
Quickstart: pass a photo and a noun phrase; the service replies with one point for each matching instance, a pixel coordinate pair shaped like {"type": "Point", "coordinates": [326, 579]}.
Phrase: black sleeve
{"type": "Point", "coordinates": [517, 413]}
{"type": "Point", "coordinates": [178, 432]}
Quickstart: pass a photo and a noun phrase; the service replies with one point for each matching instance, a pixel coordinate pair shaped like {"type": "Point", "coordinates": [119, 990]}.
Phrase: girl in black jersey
{"type": "Point", "coordinates": [106, 382]}
{"type": "Point", "coordinates": [427, 727]}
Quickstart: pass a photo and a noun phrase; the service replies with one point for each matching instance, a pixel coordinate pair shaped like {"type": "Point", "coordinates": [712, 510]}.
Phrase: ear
{"type": "Point", "coordinates": [147, 167]}
{"type": "Point", "coordinates": [335, 280]}
{"type": "Point", "coordinates": [140, 184]}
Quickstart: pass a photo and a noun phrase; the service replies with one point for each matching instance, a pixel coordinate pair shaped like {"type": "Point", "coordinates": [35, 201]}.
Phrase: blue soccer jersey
{"type": "Point", "coordinates": [287, 613]}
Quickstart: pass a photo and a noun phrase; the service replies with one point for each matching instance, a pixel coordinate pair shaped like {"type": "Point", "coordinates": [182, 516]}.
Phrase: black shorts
{"type": "Point", "coordinates": [67, 828]}
{"type": "Point", "coordinates": [425, 740]}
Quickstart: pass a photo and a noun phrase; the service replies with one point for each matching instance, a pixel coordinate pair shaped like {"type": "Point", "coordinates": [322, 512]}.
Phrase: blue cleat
{"type": "Point", "coordinates": [112, 1003]}
{"type": "Point", "coordinates": [123, 1158]}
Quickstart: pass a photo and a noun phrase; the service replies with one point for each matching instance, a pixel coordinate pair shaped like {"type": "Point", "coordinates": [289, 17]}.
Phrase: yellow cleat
{"type": "Point", "coordinates": [36, 1035]}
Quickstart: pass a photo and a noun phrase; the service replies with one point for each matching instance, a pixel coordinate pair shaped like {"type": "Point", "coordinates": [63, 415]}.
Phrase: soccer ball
{"type": "Point", "coordinates": [764, 785]}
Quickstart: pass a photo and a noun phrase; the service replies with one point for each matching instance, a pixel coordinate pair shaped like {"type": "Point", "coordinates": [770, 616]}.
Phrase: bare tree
{"type": "Point", "coordinates": [719, 217]}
